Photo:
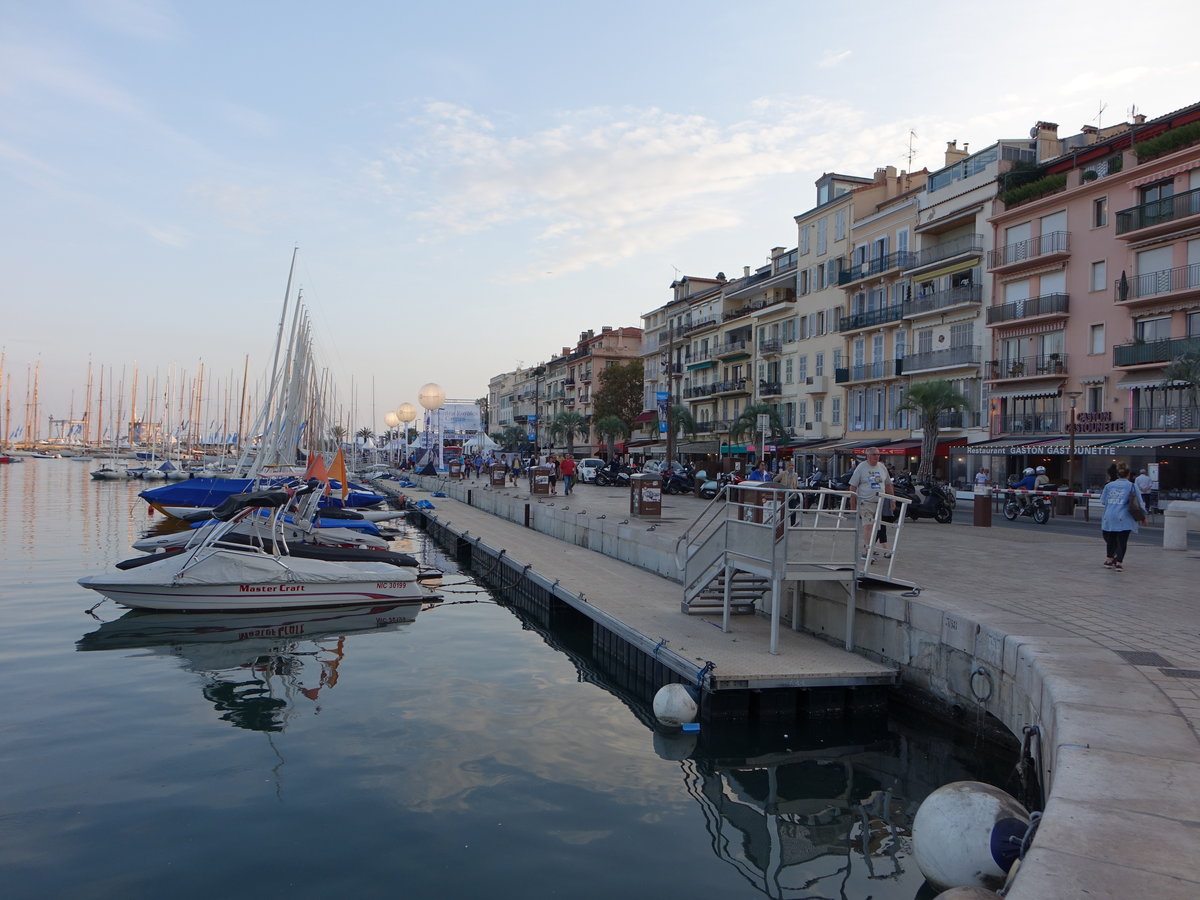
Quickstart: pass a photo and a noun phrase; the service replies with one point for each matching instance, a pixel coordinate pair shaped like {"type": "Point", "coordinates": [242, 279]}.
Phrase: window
{"type": "Point", "coordinates": [1095, 398]}
{"type": "Point", "coordinates": [787, 370]}
{"type": "Point", "coordinates": [835, 410]}
{"type": "Point", "coordinates": [1161, 191]}
{"type": "Point", "coordinates": [802, 411]}
{"type": "Point", "coordinates": [925, 340]}
{"type": "Point", "coordinates": [839, 226]}
{"type": "Point", "coordinates": [900, 341]}
{"type": "Point", "coordinates": [1099, 212]}
{"type": "Point", "coordinates": [1156, 329]}
{"type": "Point", "coordinates": [837, 359]}
{"type": "Point", "coordinates": [804, 239]}
{"type": "Point", "coordinates": [819, 359]}
{"type": "Point", "coordinates": [1099, 275]}
{"type": "Point", "coordinates": [822, 235]}
{"type": "Point", "coordinates": [802, 368]}
{"type": "Point", "coordinates": [1193, 326]}
{"type": "Point", "coordinates": [818, 409]}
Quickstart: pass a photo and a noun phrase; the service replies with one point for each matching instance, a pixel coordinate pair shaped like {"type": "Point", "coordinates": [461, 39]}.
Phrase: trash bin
{"type": "Point", "coordinates": [456, 470]}
{"type": "Point", "coordinates": [540, 478]}
{"type": "Point", "coordinates": [499, 476]}
{"type": "Point", "coordinates": [983, 507]}
{"type": "Point", "coordinates": [645, 495]}
{"type": "Point", "coordinates": [1064, 506]}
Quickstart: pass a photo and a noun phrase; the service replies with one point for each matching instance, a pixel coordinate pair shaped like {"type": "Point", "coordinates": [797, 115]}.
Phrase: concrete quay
{"type": "Point", "coordinates": [1018, 623]}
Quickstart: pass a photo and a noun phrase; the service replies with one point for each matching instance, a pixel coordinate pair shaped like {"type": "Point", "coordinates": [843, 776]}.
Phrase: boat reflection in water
{"type": "Point", "coordinates": [255, 666]}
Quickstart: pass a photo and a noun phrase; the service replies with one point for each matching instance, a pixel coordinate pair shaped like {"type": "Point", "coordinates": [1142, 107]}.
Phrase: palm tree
{"type": "Point", "coordinates": [1185, 372]}
{"type": "Point", "coordinates": [364, 434]}
{"type": "Point", "coordinates": [929, 399]}
{"type": "Point", "coordinates": [566, 425]}
{"type": "Point", "coordinates": [747, 423]}
{"type": "Point", "coordinates": [510, 438]}
{"type": "Point", "coordinates": [611, 429]}
{"type": "Point", "coordinates": [338, 433]}
{"type": "Point", "coordinates": [681, 420]}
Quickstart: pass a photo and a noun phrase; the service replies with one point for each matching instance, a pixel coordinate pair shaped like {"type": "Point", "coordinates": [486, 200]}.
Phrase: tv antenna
{"type": "Point", "coordinates": [1132, 112]}
{"type": "Point", "coordinates": [911, 149]}
{"type": "Point", "coordinates": [1100, 112]}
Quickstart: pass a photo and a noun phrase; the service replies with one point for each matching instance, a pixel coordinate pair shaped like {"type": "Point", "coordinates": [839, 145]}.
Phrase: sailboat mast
{"type": "Point", "coordinates": [87, 408]}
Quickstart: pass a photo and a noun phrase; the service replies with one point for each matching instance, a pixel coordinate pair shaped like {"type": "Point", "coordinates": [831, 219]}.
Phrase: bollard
{"type": "Point", "coordinates": [983, 508]}
{"type": "Point", "coordinates": [1175, 530]}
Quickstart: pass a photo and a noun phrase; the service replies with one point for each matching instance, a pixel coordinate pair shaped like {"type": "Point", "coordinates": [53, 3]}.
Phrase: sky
{"type": "Point", "coordinates": [472, 185]}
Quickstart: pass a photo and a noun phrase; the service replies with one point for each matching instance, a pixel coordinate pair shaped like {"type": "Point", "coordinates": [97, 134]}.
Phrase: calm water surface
{"type": "Point", "coordinates": [466, 754]}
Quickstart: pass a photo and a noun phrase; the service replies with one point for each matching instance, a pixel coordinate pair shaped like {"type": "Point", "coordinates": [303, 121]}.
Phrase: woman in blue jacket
{"type": "Point", "coordinates": [1118, 522]}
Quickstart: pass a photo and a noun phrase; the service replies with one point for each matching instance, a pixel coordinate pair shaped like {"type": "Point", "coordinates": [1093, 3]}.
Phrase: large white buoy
{"type": "Point", "coordinates": [968, 834]}
{"type": "Point", "coordinates": [675, 705]}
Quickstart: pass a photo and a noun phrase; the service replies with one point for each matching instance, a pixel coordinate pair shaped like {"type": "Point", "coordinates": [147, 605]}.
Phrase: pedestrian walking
{"type": "Point", "coordinates": [1122, 511]}
{"type": "Point", "coordinates": [789, 479]}
{"type": "Point", "coordinates": [552, 462]}
{"type": "Point", "coordinates": [870, 482]}
{"type": "Point", "coordinates": [567, 468]}
{"type": "Point", "coordinates": [1144, 486]}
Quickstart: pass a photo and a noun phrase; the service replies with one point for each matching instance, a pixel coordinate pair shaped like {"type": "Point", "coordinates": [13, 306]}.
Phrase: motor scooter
{"type": "Point", "coordinates": [710, 487]}
{"type": "Point", "coordinates": [613, 475]}
{"type": "Point", "coordinates": [927, 502]}
{"type": "Point", "coordinates": [679, 481]}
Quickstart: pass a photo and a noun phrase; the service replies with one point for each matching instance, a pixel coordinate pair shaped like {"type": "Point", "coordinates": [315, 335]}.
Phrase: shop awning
{"type": "Point", "coordinates": [692, 367]}
{"type": "Point", "coordinates": [999, 447]}
{"type": "Point", "coordinates": [946, 270]}
{"type": "Point", "coordinates": [1153, 441]}
{"type": "Point", "coordinates": [647, 416]}
{"type": "Point", "coordinates": [699, 447]}
{"type": "Point", "coordinates": [900, 448]}
{"type": "Point", "coordinates": [1051, 387]}
{"type": "Point", "coordinates": [1147, 380]}
{"type": "Point", "coordinates": [1086, 446]}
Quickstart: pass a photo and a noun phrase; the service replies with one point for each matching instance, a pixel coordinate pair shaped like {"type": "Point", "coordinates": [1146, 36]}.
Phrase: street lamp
{"type": "Point", "coordinates": [391, 420]}
{"type": "Point", "coordinates": [405, 413]}
{"type": "Point", "coordinates": [431, 397]}
{"type": "Point", "coordinates": [1074, 395]}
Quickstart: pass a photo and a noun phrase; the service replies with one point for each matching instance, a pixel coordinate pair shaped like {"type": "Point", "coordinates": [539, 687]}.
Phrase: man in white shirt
{"type": "Point", "coordinates": [1144, 486]}
{"type": "Point", "coordinates": [869, 481]}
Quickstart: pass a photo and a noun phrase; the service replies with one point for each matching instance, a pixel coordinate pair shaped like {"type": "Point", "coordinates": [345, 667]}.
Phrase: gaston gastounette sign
{"type": "Point", "coordinates": [1095, 423]}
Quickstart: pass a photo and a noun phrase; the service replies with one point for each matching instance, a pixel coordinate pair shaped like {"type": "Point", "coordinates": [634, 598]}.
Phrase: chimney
{"type": "Point", "coordinates": [566, 351]}
{"type": "Point", "coordinates": [953, 154]}
{"type": "Point", "coordinates": [583, 335]}
{"type": "Point", "coordinates": [721, 276]}
{"type": "Point", "coordinates": [1046, 136]}
{"type": "Point", "coordinates": [606, 329]}
{"type": "Point", "coordinates": [1139, 119]}
{"type": "Point", "coordinates": [1090, 133]}
{"type": "Point", "coordinates": [745, 271]}
{"type": "Point", "coordinates": [775, 251]}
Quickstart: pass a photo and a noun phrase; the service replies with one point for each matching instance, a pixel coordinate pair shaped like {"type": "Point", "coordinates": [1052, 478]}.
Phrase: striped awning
{"type": "Point", "coordinates": [1154, 441]}
{"type": "Point", "coordinates": [692, 367]}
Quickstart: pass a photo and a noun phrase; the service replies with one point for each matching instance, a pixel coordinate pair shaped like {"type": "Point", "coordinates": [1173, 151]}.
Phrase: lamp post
{"type": "Point", "coordinates": [431, 397]}
{"type": "Point", "coordinates": [1074, 395]}
{"type": "Point", "coordinates": [391, 420]}
{"type": "Point", "coordinates": [405, 413]}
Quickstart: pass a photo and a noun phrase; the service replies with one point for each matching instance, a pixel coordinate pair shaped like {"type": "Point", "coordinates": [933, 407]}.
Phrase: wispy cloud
{"type": "Point", "coordinates": [602, 185]}
{"type": "Point", "coordinates": [832, 58]}
{"type": "Point", "coordinates": [145, 19]}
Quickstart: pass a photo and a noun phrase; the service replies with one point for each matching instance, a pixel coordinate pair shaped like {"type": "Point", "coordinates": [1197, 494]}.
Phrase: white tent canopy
{"type": "Point", "coordinates": [481, 442]}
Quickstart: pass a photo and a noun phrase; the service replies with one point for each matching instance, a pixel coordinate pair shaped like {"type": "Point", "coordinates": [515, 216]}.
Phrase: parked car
{"type": "Point", "coordinates": [585, 469]}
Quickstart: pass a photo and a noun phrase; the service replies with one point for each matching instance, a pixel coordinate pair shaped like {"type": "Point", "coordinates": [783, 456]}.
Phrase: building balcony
{"type": "Point", "coordinates": [733, 348]}
{"type": "Point", "coordinates": [1042, 423]}
{"type": "Point", "coordinates": [1046, 248]}
{"type": "Point", "coordinates": [1027, 367]}
{"type": "Point", "coordinates": [927, 257]}
{"type": "Point", "coordinates": [1166, 418]}
{"type": "Point", "coordinates": [1140, 353]}
{"type": "Point", "coordinates": [871, 318]}
{"type": "Point", "coordinates": [940, 301]}
{"type": "Point", "coordinates": [873, 371]}
{"type": "Point", "coordinates": [699, 326]}
{"type": "Point", "coordinates": [713, 427]}
{"type": "Point", "coordinates": [1168, 284]}
{"type": "Point", "coordinates": [770, 347]}
{"type": "Point", "coordinates": [817, 384]}
{"type": "Point", "coordinates": [770, 388]}
{"type": "Point", "coordinates": [1160, 216]}
{"type": "Point", "coordinates": [1046, 305]}
{"type": "Point", "coordinates": [878, 265]}
{"type": "Point", "coordinates": [699, 390]}
{"type": "Point", "coordinates": [734, 386]}
{"type": "Point", "coordinates": [950, 358]}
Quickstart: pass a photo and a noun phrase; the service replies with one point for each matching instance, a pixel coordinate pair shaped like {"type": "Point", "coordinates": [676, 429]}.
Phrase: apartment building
{"type": "Point", "coordinates": [1096, 286]}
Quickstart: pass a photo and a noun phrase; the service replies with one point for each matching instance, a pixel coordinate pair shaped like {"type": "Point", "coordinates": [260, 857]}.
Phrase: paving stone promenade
{"type": "Point", "coordinates": [1114, 661]}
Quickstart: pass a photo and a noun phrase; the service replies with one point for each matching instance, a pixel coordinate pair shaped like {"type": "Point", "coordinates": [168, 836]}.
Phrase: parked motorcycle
{"type": "Point", "coordinates": [1036, 507]}
{"type": "Point", "coordinates": [614, 475]}
{"type": "Point", "coordinates": [710, 487]}
{"type": "Point", "coordinates": [817, 480]}
{"type": "Point", "coordinates": [679, 481]}
{"type": "Point", "coordinates": [929, 501]}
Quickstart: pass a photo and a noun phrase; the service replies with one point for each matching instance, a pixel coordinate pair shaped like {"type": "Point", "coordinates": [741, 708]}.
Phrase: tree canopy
{"type": "Point", "coordinates": [611, 429]}
{"type": "Point", "coordinates": [567, 425]}
{"type": "Point", "coordinates": [620, 392]}
{"type": "Point", "coordinates": [929, 399]}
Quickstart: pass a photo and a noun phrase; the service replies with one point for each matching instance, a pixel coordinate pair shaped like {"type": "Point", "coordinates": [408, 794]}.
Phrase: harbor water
{"type": "Point", "coordinates": [467, 753]}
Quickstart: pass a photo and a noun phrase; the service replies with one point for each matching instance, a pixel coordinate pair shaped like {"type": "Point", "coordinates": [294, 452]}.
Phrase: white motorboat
{"type": "Point", "coordinates": [222, 571]}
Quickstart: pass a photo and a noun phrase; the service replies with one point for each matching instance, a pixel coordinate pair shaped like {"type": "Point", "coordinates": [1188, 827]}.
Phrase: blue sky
{"type": "Point", "coordinates": [471, 185]}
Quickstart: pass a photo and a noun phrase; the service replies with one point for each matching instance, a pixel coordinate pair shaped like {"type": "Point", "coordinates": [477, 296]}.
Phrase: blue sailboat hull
{"type": "Point", "coordinates": [202, 492]}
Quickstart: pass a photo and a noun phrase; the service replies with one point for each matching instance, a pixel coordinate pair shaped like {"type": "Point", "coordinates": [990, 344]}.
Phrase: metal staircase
{"type": "Point", "coordinates": [754, 541]}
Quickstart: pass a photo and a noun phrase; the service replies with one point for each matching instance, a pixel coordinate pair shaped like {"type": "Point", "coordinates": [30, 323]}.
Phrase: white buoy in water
{"type": "Point", "coordinates": [968, 834]}
{"type": "Point", "coordinates": [675, 705]}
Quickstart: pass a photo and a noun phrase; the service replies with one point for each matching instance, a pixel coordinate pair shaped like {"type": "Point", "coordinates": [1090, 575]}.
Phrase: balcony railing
{"type": "Point", "coordinates": [955, 296]}
{"type": "Point", "coordinates": [770, 388]}
{"type": "Point", "coordinates": [729, 348]}
{"type": "Point", "coordinates": [967, 243]}
{"type": "Point", "coordinates": [1045, 305]}
{"type": "Point", "coordinates": [940, 359]}
{"type": "Point", "coordinates": [1027, 366]}
{"type": "Point", "coordinates": [735, 386]}
{"type": "Point", "coordinates": [882, 368]}
{"type": "Point", "coordinates": [901, 259]}
{"type": "Point", "coordinates": [1158, 212]}
{"type": "Point", "coordinates": [774, 345]}
{"type": "Point", "coordinates": [1152, 284]}
{"type": "Point", "coordinates": [1166, 418]}
{"type": "Point", "coordinates": [1140, 352]}
{"type": "Point", "coordinates": [1045, 245]}
{"type": "Point", "coordinates": [1040, 423]}
{"type": "Point", "coordinates": [871, 317]}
